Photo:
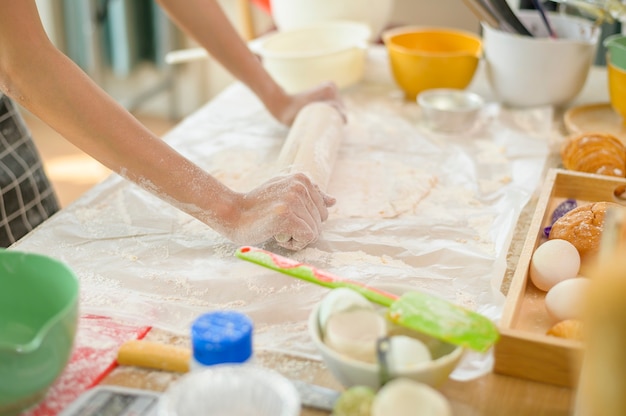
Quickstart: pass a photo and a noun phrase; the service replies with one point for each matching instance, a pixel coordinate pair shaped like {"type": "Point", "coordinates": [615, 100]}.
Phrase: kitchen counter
{"type": "Point", "coordinates": [439, 213]}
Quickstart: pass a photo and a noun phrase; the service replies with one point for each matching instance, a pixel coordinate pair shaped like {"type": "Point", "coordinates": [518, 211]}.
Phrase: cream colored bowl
{"type": "Point", "coordinates": [350, 372]}
{"type": "Point", "coordinates": [301, 58]}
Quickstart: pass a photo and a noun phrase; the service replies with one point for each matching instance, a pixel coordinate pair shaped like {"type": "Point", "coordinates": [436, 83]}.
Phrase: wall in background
{"type": "Point", "coordinates": [197, 82]}
{"type": "Point", "coordinates": [452, 13]}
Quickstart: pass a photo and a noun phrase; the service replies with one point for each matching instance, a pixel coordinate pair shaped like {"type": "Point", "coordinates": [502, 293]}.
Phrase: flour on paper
{"type": "Point", "coordinates": [240, 169]}
{"type": "Point", "coordinates": [370, 189]}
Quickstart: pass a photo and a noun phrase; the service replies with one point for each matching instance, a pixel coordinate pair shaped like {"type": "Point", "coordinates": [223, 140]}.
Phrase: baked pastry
{"type": "Point", "coordinates": [582, 226]}
{"type": "Point", "coordinates": [599, 153]}
{"type": "Point", "coordinates": [569, 328]}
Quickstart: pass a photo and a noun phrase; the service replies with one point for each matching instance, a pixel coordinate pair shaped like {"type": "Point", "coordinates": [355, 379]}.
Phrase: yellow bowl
{"type": "Point", "coordinates": [617, 89]}
{"type": "Point", "coordinates": [427, 58]}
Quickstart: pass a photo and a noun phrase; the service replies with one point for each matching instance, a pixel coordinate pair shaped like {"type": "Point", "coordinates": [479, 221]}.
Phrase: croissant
{"type": "Point", "coordinates": [599, 153]}
{"type": "Point", "coordinates": [569, 328]}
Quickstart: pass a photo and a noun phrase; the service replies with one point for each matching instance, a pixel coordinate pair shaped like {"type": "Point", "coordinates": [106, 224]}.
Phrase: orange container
{"type": "Point", "coordinates": [426, 58]}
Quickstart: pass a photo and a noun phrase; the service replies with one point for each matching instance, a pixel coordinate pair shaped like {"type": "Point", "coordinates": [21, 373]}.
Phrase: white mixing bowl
{"type": "Point", "coordinates": [528, 71]}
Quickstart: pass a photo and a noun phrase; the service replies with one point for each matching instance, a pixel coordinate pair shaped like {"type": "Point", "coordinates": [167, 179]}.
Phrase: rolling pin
{"type": "Point", "coordinates": [154, 355]}
{"type": "Point", "coordinates": [313, 142]}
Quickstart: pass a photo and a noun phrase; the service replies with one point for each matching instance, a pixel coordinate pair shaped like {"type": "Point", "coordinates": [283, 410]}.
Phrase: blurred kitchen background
{"type": "Point", "coordinates": [122, 45]}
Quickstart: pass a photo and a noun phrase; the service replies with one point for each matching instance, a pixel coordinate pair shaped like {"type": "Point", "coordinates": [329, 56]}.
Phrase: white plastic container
{"type": "Point", "coordinates": [301, 58]}
{"type": "Point", "coordinates": [231, 390]}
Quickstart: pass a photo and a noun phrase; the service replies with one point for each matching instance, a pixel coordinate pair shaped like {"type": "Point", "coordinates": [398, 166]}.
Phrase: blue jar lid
{"type": "Point", "coordinates": [222, 337]}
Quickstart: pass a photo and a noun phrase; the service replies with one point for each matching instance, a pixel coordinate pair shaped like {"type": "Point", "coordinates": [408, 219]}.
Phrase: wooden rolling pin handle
{"type": "Point", "coordinates": [154, 355]}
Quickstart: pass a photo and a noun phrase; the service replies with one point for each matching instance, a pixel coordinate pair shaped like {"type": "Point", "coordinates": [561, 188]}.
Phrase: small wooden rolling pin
{"type": "Point", "coordinates": [154, 355]}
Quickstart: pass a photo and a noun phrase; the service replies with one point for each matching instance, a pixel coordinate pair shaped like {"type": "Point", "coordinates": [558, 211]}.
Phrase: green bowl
{"type": "Point", "coordinates": [38, 320]}
{"type": "Point", "coordinates": [616, 47]}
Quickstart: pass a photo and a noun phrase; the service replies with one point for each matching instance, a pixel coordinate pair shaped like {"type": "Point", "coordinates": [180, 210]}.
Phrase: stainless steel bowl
{"type": "Point", "coordinates": [450, 110]}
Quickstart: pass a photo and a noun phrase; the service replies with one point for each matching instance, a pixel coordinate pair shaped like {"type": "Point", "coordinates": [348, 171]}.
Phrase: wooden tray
{"type": "Point", "coordinates": [524, 349]}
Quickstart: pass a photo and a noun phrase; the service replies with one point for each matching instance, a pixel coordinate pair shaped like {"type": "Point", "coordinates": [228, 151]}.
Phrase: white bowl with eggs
{"type": "Point", "coordinates": [350, 371]}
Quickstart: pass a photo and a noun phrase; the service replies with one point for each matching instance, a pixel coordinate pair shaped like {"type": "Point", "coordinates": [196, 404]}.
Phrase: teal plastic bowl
{"type": "Point", "coordinates": [38, 320]}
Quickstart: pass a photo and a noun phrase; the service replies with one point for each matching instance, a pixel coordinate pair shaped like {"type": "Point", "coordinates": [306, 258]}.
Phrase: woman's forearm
{"type": "Point", "coordinates": [206, 22]}
{"type": "Point", "coordinates": [51, 86]}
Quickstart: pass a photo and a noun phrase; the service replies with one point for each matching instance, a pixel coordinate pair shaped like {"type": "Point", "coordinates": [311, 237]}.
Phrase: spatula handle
{"type": "Point", "coordinates": [311, 274]}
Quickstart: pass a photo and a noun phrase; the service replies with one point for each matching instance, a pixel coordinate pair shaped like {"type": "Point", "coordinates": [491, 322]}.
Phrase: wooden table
{"type": "Point", "coordinates": [116, 232]}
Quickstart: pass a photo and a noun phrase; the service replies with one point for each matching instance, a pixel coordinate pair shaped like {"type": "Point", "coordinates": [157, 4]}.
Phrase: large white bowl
{"type": "Point", "coordinates": [528, 71]}
{"type": "Point", "coordinates": [291, 14]}
{"type": "Point", "coordinates": [299, 59]}
{"type": "Point", "coordinates": [351, 372]}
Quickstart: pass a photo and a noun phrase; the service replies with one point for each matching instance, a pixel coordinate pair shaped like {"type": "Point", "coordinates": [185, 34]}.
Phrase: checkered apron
{"type": "Point", "coordinates": [26, 196]}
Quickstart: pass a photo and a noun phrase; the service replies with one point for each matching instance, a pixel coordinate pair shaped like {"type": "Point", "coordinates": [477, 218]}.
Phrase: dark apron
{"type": "Point", "coordinates": [26, 195]}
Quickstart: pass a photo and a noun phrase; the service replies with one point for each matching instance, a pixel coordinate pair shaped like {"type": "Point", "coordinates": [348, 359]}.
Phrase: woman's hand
{"type": "Point", "coordinates": [290, 209]}
{"type": "Point", "coordinates": [286, 108]}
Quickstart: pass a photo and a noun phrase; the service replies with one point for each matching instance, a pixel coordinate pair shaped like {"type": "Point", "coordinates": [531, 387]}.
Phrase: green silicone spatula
{"type": "Point", "coordinates": [418, 311]}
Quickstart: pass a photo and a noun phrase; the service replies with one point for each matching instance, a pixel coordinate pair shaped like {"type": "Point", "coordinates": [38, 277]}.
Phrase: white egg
{"type": "Point", "coordinates": [340, 300]}
{"type": "Point", "coordinates": [552, 262]}
{"type": "Point", "coordinates": [405, 397]}
{"type": "Point", "coordinates": [354, 333]}
{"type": "Point", "coordinates": [405, 353]}
{"type": "Point", "coordinates": [566, 299]}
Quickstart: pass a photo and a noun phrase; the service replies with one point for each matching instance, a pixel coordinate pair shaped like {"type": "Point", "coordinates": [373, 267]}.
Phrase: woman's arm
{"type": "Point", "coordinates": [206, 22]}
{"type": "Point", "coordinates": [43, 80]}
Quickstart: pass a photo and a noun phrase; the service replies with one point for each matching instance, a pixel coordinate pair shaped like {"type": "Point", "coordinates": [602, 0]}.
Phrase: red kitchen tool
{"type": "Point", "coordinates": [94, 356]}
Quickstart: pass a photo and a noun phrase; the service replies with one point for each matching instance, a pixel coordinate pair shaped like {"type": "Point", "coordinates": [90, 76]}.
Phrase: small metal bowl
{"type": "Point", "coordinates": [450, 110]}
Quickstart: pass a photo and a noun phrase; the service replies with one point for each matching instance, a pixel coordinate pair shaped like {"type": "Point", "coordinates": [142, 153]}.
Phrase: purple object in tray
{"type": "Point", "coordinates": [562, 209]}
